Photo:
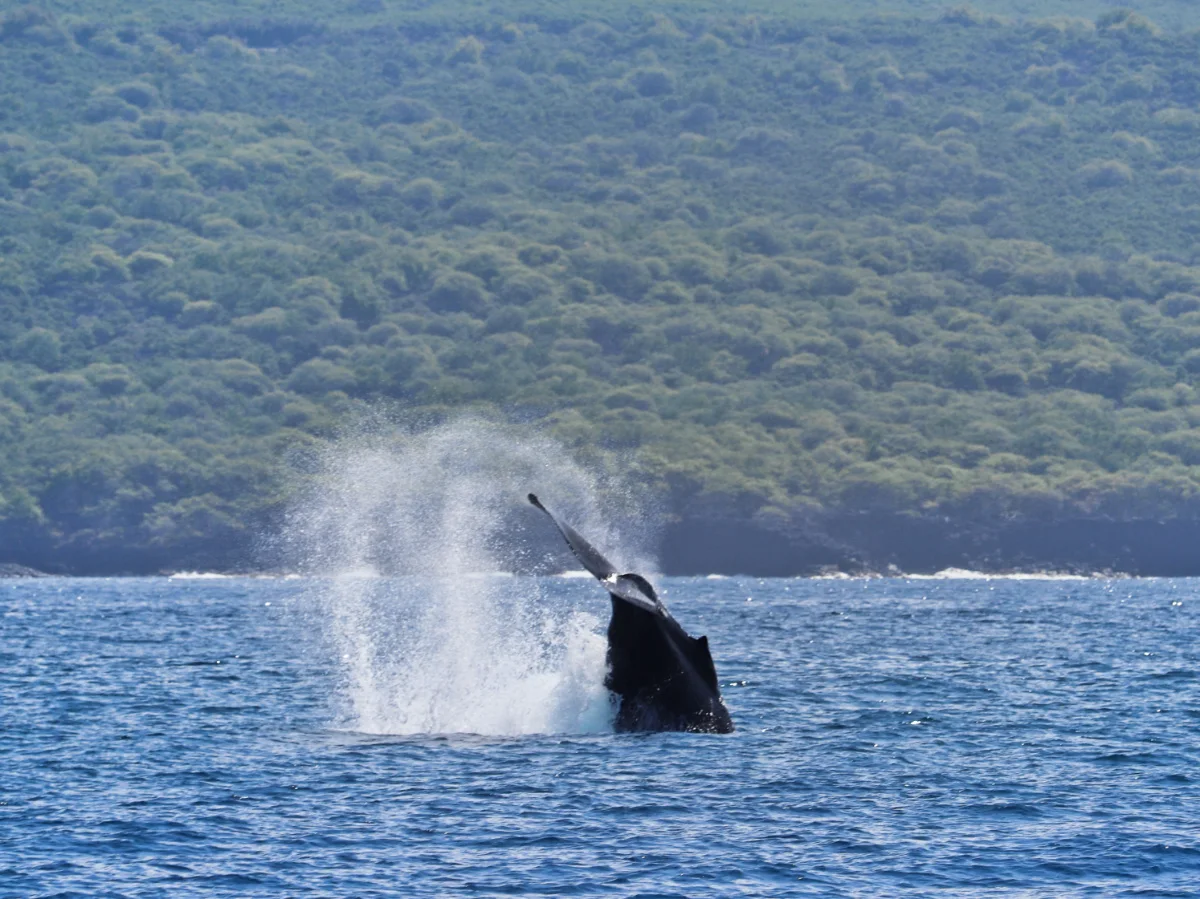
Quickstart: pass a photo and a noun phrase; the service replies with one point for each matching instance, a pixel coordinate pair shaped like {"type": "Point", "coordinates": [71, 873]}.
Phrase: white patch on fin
{"type": "Point", "coordinates": [628, 590]}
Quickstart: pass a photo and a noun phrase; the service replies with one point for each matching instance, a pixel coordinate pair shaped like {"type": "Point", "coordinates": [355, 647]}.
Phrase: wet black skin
{"type": "Point", "coordinates": [664, 678]}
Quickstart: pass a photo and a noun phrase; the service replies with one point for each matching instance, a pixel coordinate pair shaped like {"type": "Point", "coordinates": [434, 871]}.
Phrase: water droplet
{"type": "Point", "coordinates": [440, 648]}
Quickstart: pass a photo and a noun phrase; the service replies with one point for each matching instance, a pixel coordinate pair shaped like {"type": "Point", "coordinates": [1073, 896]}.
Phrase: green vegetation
{"type": "Point", "coordinates": [943, 266]}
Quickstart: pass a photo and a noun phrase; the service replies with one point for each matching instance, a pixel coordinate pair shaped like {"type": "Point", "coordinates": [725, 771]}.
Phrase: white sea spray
{"type": "Point", "coordinates": [407, 532]}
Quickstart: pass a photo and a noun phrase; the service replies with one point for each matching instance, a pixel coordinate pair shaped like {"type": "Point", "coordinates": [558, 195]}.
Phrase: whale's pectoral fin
{"type": "Point", "coordinates": [589, 557]}
{"type": "Point", "coordinates": [701, 659]}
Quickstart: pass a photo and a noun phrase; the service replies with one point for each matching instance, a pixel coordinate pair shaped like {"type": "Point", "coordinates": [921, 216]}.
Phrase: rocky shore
{"type": "Point", "coordinates": [894, 542]}
{"type": "Point", "coordinates": [860, 543]}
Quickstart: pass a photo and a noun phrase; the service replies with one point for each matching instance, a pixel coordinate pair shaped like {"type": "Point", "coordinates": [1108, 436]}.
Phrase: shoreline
{"type": "Point", "coordinates": [886, 544]}
{"type": "Point", "coordinates": [897, 544]}
{"type": "Point", "coordinates": [950, 574]}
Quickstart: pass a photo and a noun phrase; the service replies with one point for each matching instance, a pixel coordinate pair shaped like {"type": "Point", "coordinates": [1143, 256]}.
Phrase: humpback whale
{"type": "Point", "coordinates": [663, 678]}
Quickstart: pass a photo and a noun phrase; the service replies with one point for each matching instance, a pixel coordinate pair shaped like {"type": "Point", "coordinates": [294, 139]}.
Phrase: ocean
{"type": "Point", "coordinates": [368, 736]}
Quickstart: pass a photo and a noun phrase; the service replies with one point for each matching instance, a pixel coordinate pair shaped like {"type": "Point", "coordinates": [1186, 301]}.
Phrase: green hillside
{"type": "Point", "coordinates": [943, 267]}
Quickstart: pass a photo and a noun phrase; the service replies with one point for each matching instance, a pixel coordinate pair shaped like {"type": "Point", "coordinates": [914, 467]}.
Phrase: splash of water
{"type": "Point", "coordinates": [409, 530]}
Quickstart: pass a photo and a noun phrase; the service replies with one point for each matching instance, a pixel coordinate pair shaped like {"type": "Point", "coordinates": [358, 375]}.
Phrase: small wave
{"type": "Point", "coordinates": [716, 577]}
{"type": "Point", "coordinates": [571, 575]}
{"type": "Point", "coordinates": [1174, 674]}
{"type": "Point", "coordinates": [198, 576]}
{"type": "Point", "coordinates": [1128, 758]}
{"type": "Point", "coordinates": [1018, 809]}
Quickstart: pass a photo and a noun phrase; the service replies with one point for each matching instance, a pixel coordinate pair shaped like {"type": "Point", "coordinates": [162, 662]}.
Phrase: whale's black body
{"type": "Point", "coordinates": [664, 678]}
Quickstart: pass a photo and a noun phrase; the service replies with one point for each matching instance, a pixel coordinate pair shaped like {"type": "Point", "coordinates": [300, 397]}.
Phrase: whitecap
{"type": "Point", "coordinates": [966, 574]}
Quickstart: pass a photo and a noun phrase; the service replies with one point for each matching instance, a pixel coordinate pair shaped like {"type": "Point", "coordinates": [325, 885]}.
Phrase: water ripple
{"type": "Point", "coordinates": [967, 738]}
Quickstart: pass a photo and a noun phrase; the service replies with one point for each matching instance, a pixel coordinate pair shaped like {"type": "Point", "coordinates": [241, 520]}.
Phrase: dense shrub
{"type": "Point", "coordinates": [775, 259]}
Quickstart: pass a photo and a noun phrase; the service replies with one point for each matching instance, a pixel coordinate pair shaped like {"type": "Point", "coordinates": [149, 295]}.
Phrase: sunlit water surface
{"type": "Point", "coordinates": [965, 737]}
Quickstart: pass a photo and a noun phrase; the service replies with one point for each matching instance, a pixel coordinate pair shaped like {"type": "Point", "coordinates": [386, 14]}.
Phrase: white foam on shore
{"type": "Point", "coordinates": [966, 574]}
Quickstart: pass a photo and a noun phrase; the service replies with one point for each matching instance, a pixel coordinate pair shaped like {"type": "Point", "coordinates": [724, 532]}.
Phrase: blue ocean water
{"type": "Point", "coordinates": [959, 737]}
